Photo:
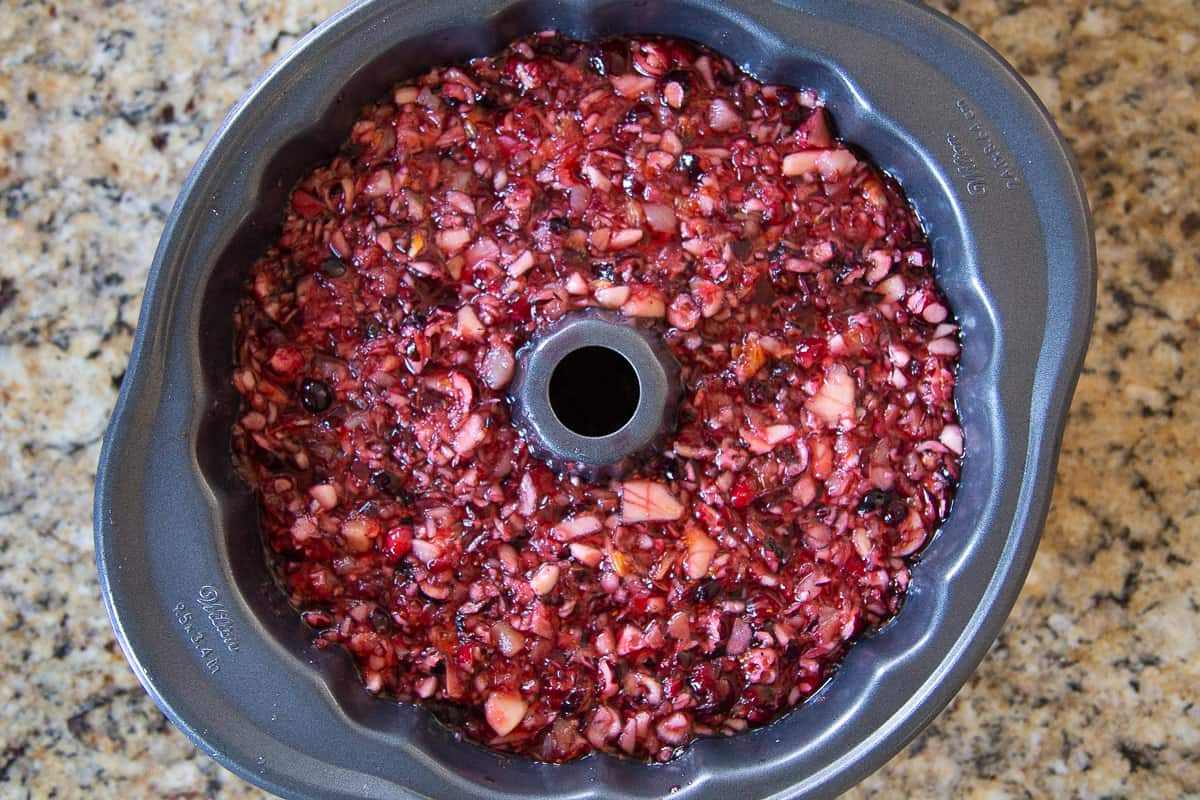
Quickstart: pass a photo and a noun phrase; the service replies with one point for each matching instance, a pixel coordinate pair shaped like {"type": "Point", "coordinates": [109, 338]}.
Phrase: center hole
{"type": "Point", "coordinates": [594, 391]}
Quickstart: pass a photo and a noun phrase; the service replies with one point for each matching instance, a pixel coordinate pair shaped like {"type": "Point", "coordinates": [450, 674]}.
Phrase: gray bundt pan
{"type": "Point", "coordinates": [177, 543]}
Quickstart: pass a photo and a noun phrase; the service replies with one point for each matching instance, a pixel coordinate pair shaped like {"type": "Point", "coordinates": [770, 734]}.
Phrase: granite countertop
{"type": "Point", "coordinates": [1091, 690]}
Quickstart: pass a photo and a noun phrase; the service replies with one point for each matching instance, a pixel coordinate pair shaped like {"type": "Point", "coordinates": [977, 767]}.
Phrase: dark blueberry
{"type": "Point", "coordinates": [691, 166]}
{"type": "Point", "coordinates": [559, 225]}
{"type": "Point", "coordinates": [385, 481]}
{"type": "Point", "coordinates": [381, 621]}
{"type": "Point", "coordinates": [873, 501]}
{"type": "Point", "coordinates": [334, 267]}
{"type": "Point", "coordinates": [632, 186]}
{"type": "Point", "coordinates": [895, 512]}
{"type": "Point", "coordinates": [797, 114]}
{"type": "Point", "coordinates": [596, 62]}
{"type": "Point", "coordinates": [572, 702]}
{"type": "Point", "coordinates": [708, 591]}
{"type": "Point", "coordinates": [758, 392]}
{"type": "Point", "coordinates": [418, 315]}
{"type": "Point", "coordinates": [672, 469]}
{"type": "Point", "coordinates": [315, 395]}
{"type": "Point", "coordinates": [485, 100]}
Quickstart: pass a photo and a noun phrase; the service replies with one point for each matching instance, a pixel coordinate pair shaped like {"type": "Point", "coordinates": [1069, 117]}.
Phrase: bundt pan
{"type": "Point", "coordinates": [177, 544]}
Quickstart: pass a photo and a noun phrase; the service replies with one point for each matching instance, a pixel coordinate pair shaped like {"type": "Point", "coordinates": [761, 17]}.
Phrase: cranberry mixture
{"type": "Point", "coordinates": [717, 583]}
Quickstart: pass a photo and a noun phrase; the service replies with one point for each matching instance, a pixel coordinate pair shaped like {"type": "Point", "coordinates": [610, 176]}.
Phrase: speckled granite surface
{"type": "Point", "coordinates": [1093, 690]}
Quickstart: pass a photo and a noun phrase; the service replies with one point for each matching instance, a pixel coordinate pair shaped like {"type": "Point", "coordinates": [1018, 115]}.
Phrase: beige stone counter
{"type": "Point", "coordinates": [1092, 690]}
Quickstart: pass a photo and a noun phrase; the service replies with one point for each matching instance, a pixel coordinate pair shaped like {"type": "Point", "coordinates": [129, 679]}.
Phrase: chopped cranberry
{"type": "Point", "coordinates": [306, 205]}
{"type": "Point", "coordinates": [742, 494]}
{"type": "Point", "coordinates": [810, 352]}
{"type": "Point", "coordinates": [715, 584]}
